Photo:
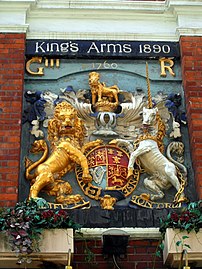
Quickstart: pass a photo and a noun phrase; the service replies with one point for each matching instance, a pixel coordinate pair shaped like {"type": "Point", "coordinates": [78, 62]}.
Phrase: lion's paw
{"type": "Point", "coordinates": [86, 178]}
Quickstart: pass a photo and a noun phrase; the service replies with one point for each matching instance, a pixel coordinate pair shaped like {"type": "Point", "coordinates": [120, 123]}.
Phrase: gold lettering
{"type": "Point", "coordinates": [160, 205]}
{"type": "Point", "coordinates": [46, 62]}
{"type": "Point", "coordinates": [165, 67]}
{"type": "Point", "coordinates": [52, 62]}
{"type": "Point", "coordinates": [39, 69]}
{"type": "Point", "coordinates": [57, 63]}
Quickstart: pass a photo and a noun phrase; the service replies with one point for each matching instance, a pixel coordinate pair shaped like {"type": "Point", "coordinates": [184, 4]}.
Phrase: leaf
{"type": "Point", "coordinates": [161, 246]}
{"type": "Point", "coordinates": [41, 203]}
{"type": "Point", "coordinates": [185, 237]}
{"type": "Point", "coordinates": [188, 246]}
{"type": "Point", "coordinates": [22, 233]}
{"type": "Point", "coordinates": [158, 253]}
{"type": "Point", "coordinates": [187, 226]}
{"type": "Point", "coordinates": [37, 217]}
{"type": "Point", "coordinates": [178, 243]}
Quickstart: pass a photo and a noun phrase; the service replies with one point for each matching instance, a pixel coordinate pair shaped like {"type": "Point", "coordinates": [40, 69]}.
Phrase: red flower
{"type": "Point", "coordinates": [47, 214]}
{"type": "Point", "coordinates": [62, 213]}
{"type": "Point", "coordinates": [175, 217]}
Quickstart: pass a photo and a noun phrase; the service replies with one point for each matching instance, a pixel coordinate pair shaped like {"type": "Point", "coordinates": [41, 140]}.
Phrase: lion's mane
{"type": "Point", "coordinates": [54, 125]}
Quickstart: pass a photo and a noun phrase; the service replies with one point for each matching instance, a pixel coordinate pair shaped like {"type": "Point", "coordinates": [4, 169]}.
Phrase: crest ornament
{"type": "Point", "coordinates": [108, 166]}
{"type": "Point", "coordinates": [112, 147]}
{"type": "Point", "coordinates": [103, 98]}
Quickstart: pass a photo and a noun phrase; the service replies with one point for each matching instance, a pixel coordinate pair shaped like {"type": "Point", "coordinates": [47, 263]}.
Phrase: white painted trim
{"type": "Point", "coordinates": [15, 4]}
{"type": "Point", "coordinates": [102, 36]}
{"type": "Point", "coordinates": [140, 6]}
{"type": "Point", "coordinates": [188, 31]}
{"type": "Point", "coordinates": [135, 233]}
{"type": "Point", "coordinates": [13, 28]}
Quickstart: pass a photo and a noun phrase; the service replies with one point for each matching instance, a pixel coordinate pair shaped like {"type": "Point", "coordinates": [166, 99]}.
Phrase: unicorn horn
{"type": "Point", "coordinates": [150, 105]}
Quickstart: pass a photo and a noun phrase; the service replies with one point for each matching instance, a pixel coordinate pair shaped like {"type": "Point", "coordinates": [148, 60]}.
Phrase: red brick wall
{"type": "Point", "coordinates": [191, 58]}
{"type": "Point", "coordinates": [140, 255]}
{"type": "Point", "coordinates": [12, 50]}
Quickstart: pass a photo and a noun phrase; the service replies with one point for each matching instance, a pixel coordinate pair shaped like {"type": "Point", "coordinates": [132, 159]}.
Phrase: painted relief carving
{"type": "Point", "coordinates": [113, 141]}
{"type": "Point", "coordinates": [65, 133]}
{"type": "Point", "coordinates": [148, 150]}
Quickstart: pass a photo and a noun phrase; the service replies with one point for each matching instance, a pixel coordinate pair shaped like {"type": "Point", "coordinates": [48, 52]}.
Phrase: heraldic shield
{"type": "Point", "coordinates": [108, 166]}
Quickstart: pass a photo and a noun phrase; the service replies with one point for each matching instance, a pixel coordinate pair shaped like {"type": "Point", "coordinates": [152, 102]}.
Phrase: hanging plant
{"type": "Point", "coordinates": [25, 222]}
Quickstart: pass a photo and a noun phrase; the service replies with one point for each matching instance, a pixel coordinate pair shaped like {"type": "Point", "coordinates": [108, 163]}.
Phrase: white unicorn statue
{"type": "Point", "coordinates": [148, 149]}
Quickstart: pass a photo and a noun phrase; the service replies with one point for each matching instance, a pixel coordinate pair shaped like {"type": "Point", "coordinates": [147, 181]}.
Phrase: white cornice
{"type": "Point", "coordinates": [106, 19]}
{"type": "Point", "coordinates": [139, 6]}
{"type": "Point", "coordinates": [13, 28]}
{"type": "Point", "coordinates": [13, 14]}
{"type": "Point", "coordinates": [115, 19]}
{"type": "Point", "coordinates": [101, 36]}
{"type": "Point", "coordinates": [188, 32]}
{"type": "Point", "coordinates": [15, 4]}
{"type": "Point", "coordinates": [107, 13]}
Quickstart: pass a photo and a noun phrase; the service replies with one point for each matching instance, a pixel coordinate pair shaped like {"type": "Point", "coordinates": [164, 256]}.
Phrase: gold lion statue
{"type": "Point", "coordinates": [66, 134]}
{"type": "Point", "coordinates": [100, 92]}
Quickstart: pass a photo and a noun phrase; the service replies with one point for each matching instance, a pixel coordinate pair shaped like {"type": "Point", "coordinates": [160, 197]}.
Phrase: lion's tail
{"type": "Point", "coordinates": [173, 147]}
{"type": "Point", "coordinates": [30, 165]}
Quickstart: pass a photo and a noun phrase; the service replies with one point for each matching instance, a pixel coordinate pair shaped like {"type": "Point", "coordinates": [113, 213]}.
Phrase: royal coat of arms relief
{"type": "Point", "coordinates": [106, 146]}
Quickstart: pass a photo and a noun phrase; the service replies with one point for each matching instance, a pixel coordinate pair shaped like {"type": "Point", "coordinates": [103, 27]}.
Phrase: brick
{"type": "Point", "coordinates": [189, 75]}
{"type": "Point", "coordinates": [10, 145]}
{"type": "Point", "coordinates": [99, 243]}
{"type": "Point", "coordinates": [139, 257]}
{"type": "Point", "coordinates": [97, 251]}
{"type": "Point", "coordinates": [11, 190]}
{"type": "Point", "coordinates": [191, 39]}
{"type": "Point", "coordinates": [198, 170]}
{"type": "Point", "coordinates": [141, 250]}
{"type": "Point", "coordinates": [12, 177]}
{"type": "Point", "coordinates": [8, 197]}
{"type": "Point", "coordinates": [80, 257]}
{"type": "Point", "coordinates": [130, 250]}
{"type": "Point", "coordinates": [141, 265]}
{"type": "Point", "coordinates": [192, 77]}
{"type": "Point", "coordinates": [11, 81]}
{"type": "Point", "coordinates": [196, 122]}
{"type": "Point", "coordinates": [196, 116]}
{"type": "Point", "coordinates": [193, 92]}
{"type": "Point", "coordinates": [7, 203]}
{"type": "Point", "coordinates": [8, 170]}
{"type": "Point", "coordinates": [12, 139]}
{"type": "Point", "coordinates": [8, 183]}
{"type": "Point", "coordinates": [15, 36]}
